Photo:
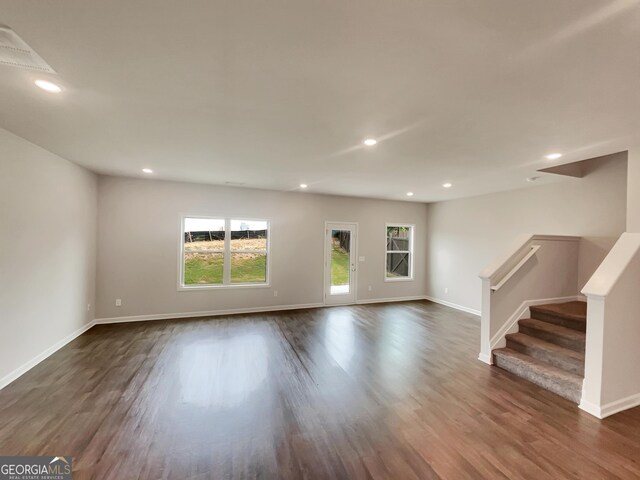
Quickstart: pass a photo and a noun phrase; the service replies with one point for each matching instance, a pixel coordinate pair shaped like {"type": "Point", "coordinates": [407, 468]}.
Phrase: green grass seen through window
{"type": "Point", "coordinates": [339, 265]}
{"type": "Point", "coordinates": [207, 269]}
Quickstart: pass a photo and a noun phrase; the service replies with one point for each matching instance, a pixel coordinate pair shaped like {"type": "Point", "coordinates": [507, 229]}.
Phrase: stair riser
{"type": "Point", "coordinates": [570, 393]}
{"type": "Point", "coordinates": [568, 364]}
{"type": "Point", "coordinates": [576, 345]}
{"type": "Point", "coordinates": [563, 322]}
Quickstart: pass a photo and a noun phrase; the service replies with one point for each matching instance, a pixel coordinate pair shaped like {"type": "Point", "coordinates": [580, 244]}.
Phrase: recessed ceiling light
{"type": "Point", "coordinates": [303, 185]}
{"type": "Point", "coordinates": [48, 86]}
{"type": "Point", "coordinates": [409, 194]}
{"type": "Point", "coordinates": [147, 170]}
{"type": "Point", "coordinates": [553, 156]}
{"type": "Point", "coordinates": [447, 185]}
{"type": "Point", "coordinates": [370, 142]}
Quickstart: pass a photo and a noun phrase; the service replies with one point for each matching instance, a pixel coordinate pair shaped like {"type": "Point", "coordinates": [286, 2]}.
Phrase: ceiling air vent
{"type": "Point", "coordinates": [15, 52]}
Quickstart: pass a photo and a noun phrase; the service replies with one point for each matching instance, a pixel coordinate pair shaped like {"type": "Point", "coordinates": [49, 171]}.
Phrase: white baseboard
{"type": "Point", "coordinates": [498, 340]}
{"type": "Point", "coordinates": [212, 313]}
{"type": "Point", "coordinates": [25, 367]}
{"type": "Point", "coordinates": [392, 299]}
{"type": "Point", "coordinates": [590, 408]}
{"type": "Point", "coordinates": [488, 359]}
{"type": "Point", "coordinates": [611, 408]}
{"type": "Point", "coordinates": [453, 305]}
{"type": "Point", "coordinates": [236, 311]}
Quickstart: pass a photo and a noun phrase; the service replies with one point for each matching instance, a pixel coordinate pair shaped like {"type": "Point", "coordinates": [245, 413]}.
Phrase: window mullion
{"type": "Point", "coordinates": [226, 274]}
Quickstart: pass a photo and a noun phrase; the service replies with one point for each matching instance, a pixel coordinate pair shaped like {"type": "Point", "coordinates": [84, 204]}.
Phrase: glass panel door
{"type": "Point", "coordinates": [340, 261]}
{"type": "Point", "coordinates": [340, 268]}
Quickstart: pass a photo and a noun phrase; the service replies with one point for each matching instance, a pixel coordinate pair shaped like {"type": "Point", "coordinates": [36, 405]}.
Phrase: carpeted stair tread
{"type": "Point", "coordinates": [560, 357]}
{"type": "Point", "coordinates": [568, 314]}
{"type": "Point", "coordinates": [575, 310]}
{"type": "Point", "coordinates": [563, 336]}
{"type": "Point", "coordinates": [556, 380]}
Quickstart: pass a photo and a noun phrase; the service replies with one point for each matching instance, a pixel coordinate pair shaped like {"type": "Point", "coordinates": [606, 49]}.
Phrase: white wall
{"type": "Point", "coordinates": [47, 251]}
{"type": "Point", "coordinates": [633, 189]}
{"type": "Point", "coordinates": [139, 233]}
{"type": "Point", "coordinates": [467, 234]}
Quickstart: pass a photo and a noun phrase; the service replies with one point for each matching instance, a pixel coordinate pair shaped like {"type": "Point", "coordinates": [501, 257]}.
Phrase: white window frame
{"type": "Point", "coordinates": [226, 274]}
{"type": "Point", "coordinates": [412, 235]}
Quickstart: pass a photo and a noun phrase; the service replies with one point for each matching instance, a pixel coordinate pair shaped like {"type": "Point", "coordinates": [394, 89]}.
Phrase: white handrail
{"type": "Point", "coordinates": [512, 272]}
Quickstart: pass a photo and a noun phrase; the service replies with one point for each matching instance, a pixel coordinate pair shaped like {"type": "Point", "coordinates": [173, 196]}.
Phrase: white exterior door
{"type": "Point", "coordinates": [340, 263]}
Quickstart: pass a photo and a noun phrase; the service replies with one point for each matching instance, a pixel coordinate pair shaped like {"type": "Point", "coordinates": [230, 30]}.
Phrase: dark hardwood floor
{"type": "Point", "coordinates": [379, 391]}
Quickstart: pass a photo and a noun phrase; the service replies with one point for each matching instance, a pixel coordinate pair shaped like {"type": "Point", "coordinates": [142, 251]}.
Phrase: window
{"type": "Point", "coordinates": [219, 252]}
{"type": "Point", "coordinates": [399, 252]}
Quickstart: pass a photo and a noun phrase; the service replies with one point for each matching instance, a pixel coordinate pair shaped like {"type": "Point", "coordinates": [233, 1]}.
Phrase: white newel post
{"type": "Point", "coordinates": [591, 401]}
{"type": "Point", "coordinates": [611, 379]}
{"type": "Point", "coordinates": [485, 325]}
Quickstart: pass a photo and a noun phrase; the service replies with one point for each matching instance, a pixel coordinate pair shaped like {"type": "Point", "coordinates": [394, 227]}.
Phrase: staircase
{"type": "Point", "coordinates": [548, 350]}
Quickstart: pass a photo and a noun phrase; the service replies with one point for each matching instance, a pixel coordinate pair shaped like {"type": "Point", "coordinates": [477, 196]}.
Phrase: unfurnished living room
{"type": "Point", "coordinates": [319, 239]}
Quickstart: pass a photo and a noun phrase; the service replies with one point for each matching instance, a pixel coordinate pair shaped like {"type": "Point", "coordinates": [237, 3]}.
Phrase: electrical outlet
{"type": "Point", "coordinates": [361, 259]}
{"type": "Point", "coordinates": [275, 293]}
{"type": "Point", "coordinates": [88, 307]}
{"type": "Point", "coordinates": [446, 290]}
{"type": "Point", "coordinates": [118, 302]}
{"type": "Point", "coordinates": [370, 288]}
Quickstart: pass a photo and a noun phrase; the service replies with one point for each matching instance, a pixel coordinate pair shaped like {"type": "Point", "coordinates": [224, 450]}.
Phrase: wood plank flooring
{"type": "Point", "coordinates": [378, 391]}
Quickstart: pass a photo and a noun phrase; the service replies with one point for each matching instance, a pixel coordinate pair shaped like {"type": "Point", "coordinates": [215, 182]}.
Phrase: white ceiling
{"type": "Point", "coordinates": [277, 93]}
